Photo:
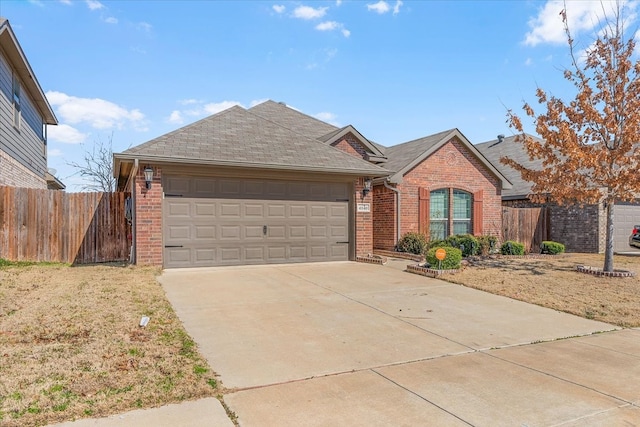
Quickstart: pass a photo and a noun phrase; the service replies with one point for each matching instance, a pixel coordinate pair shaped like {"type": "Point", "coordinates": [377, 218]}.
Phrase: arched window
{"type": "Point", "coordinates": [450, 211]}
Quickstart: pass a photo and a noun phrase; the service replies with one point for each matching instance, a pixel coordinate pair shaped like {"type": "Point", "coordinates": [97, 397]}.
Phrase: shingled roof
{"type": "Point", "coordinates": [493, 150]}
{"type": "Point", "coordinates": [239, 137]}
{"type": "Point", "coordinates": [290, 118]}
{"type": "Point", "coordinates": [406, 156]}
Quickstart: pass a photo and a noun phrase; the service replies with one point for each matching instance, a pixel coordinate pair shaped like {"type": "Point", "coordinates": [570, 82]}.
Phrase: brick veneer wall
{"type": "Point", "coordinates": [13, 174]}
{"type": "Point", "coordinates": [350, 145]}
{"type": "Point", "coordinates": [451, 166]}
{"type": "Point", "coordinates": [384, 218]}
{"type": "Point", "coordinates": [148, 219]}
{"type": "Point", "coordinates": [363, 221]}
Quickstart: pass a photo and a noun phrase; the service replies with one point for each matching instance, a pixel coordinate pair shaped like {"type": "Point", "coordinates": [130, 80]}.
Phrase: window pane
{"type": "Point", "coordinates": [461, 227]}
{"type": "Point", "coordinates": [439, 214]}
{"type": "Point", "coordinates": [461, 205]}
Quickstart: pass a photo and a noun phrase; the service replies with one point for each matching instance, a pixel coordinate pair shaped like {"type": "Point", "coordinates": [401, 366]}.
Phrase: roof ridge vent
{"type": "Point", "coordinates": [500, 138]}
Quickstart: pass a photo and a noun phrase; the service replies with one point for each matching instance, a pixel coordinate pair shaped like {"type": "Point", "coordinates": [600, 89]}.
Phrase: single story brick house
{"type": "Point", "coordinates": [270, 184]}
{"type": "Point", "coordinates": [579, 228]}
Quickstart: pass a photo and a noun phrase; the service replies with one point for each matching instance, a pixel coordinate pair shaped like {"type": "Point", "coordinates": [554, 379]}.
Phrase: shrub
{"type": "Point", "coordinates": [487, 245]}
{"type": "Point", "coordinates": [450, 262]}
{"type": "Point", "coordinates": [465, 242]}
{"type": "Point", "coordinates": [413, 243]}
{"type": "Point", "coordinates": [552, 248]}
{"type": "Point", "coordinates": [512, 248]}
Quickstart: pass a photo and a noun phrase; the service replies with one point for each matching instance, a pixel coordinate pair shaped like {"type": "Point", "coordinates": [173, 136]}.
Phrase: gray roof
{"type": "Point", "coordinates": [509, 147]}
{"type": "Point", "coordinates": [238, 137]}
{"type": "Point", "coordinates": [403, 154]}
{"type": "Point", "coordinates": [404, 157]}
{"type": "Point", "coordinates": [292, 119]}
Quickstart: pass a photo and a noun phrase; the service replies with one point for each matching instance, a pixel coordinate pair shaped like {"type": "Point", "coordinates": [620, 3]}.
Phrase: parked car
{"type": "Point", "coordinates": [634, 239]}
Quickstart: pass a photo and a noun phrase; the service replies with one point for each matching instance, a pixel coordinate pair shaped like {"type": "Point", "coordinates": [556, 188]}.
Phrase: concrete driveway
{"type": "Point", "coordinates": [357, 344]}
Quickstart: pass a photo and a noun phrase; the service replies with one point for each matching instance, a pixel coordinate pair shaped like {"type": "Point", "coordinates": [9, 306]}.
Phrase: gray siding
{"type": "Point", "coordinates": [25, 145]}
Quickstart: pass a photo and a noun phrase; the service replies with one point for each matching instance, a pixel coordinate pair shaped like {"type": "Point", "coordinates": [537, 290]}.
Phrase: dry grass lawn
{"type": "Point", "coordinates": [71, 347]}
{"type": "Point", "coordinates": [554, 282]}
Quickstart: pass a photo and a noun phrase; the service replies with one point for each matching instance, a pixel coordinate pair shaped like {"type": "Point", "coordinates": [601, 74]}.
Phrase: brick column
{"type": "Point", "coordinates": [148, 219]}
{"type": "Point", "coordinates": [364, 221]}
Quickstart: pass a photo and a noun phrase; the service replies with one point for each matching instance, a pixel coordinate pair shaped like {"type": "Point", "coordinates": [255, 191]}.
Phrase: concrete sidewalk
{"type": "Point", "coordinates": [358, 344]}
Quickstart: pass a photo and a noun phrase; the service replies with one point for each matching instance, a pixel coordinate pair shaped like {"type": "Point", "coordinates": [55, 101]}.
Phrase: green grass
{"type": "Point", "coordinates": [6, 263]}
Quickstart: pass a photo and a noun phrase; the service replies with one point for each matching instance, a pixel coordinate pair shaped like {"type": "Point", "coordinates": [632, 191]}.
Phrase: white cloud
{"type": "Point", "coordinates": [54, 152]}
{"type": "Point", "coordinates": [111, 20]}
{"type": "Point", "coordinates": [338, 2]}
{"type": "Point", "coordinates": [38, 3]}
{"type": "Point", "coordinates": [66, 2]}
{"type": "Point", "coordinates": [333, 25]}
{"type": "Point", "coordinates": [94, 4]}
{"type": "Point", "coordinates": [278, 8]}
{"type": "Point", "coordinates": [307, 12]}
{"type": "Point", "coordinates": [144, 26]}
{"type": "Point", "coordinates": [582, 15]}
{"type": "Point", "coordinates": [96, 112]}
{"type": "Point", "coordinates": [528, 62]}
{"type": "Point", "coordinates": [175, 117]}
{"type": "Point", "coordinates": [327, 26]}
{"type": "Point", "coordinates": [396, 8]}
{"type": "Point", "coordinates": [381, 7]}
{"type": "Point", "coordinates": [65, 134]}
{"type": "Point", "coordinates": [189, 101]}
{"type": "Point", "coordinates": [327, 117]}
{"type": "Point", "coordinates": [216, 107]}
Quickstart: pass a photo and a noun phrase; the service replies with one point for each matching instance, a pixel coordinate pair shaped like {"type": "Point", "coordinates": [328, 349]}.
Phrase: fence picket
{"type": "Point", "coordinates": [49, 225]}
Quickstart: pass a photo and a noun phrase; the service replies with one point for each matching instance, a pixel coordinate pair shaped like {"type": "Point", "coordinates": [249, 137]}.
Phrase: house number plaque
{"type": "Point", "coordinates": [364, 207]}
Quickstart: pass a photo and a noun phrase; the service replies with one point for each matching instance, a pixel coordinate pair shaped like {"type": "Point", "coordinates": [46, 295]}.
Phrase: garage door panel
{"type": "Point", "coordinates": [204, 209]}
{"type": "Point", "coordinates": [625, 216]}
{"type": "Point", "coordinates": [204, 232]}
{"type": "Point", "coordinates": [254, 253]}
{"type": "Point", "coordinates": [303, 222]}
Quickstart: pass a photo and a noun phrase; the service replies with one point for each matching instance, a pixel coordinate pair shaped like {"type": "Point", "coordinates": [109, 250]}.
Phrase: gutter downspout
{"type": "Point", "coordinates": [132, 180]}
{"type": "Point", "coordinates": [395, 190]}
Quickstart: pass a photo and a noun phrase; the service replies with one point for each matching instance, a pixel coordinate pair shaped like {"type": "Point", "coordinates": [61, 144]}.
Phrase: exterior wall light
{"type": "Point", "coordinates": [148, 176]}
{"type": "Point", "coordinates": [367, 187]}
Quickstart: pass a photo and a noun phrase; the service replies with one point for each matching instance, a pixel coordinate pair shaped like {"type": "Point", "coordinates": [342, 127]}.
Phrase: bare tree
{"type": "Point", "coordinates": [97, 167]}
{"type": "Point", "coordinates": [590, 147]}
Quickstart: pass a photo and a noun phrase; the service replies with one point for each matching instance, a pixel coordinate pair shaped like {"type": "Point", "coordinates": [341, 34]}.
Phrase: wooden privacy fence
{"type": "Point", "coordinates": [529, 226]}
{"type": "Point", "coordinates": [48, 225]}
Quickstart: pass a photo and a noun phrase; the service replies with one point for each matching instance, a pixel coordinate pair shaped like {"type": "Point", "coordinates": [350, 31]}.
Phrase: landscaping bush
{"type": "Point", "coordinates": [552, 248]}
{"type": "Point", "coordinates": [468, 244]}
{"type": "Point", "coordinates": [512, 248]}
{"type": "Point", "coordinates": [487, 245]}
{"type": "Point", "coordinates": [413, 243]}
{"type": "Point", "coordinates": [450, 262]}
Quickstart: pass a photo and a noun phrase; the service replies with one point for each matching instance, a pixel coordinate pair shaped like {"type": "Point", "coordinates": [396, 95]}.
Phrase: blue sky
{"type": "Point", "coordinates": [396, 70]}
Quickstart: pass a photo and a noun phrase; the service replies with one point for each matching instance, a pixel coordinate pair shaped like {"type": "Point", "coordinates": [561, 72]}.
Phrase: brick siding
{"type": "Point", "coordinates": [13, 174]}
{"type": "Point", "coordinates": [363, 221]}
{"type": "Point", "coordinates": [350, 145]}
{"type": "Point", "coordinates": [451, 166]}
{"type": "Point", "coordinates": [148, 219]}
{"type": "Point", "coordinates": [384, 218]}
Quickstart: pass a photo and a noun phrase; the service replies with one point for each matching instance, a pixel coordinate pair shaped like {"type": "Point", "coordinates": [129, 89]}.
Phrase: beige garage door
{"type": "Point", "coordinates": [625, 216]}
{"type": "Point", "coordinates": [219, 221]}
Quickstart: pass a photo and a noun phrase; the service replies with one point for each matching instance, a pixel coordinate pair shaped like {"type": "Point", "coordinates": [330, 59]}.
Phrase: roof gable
{"type": "Point", "coordinates": [237, 137]}
{"type": "Point", "coordinates": [404, 157]}
{"type": "Point", "coordinates": [16, 57]}
{"type": "Point", "coordinates": [373, 152]}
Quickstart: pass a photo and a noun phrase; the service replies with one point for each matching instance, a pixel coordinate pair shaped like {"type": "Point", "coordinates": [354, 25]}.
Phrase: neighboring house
{"type": "Point", "coordinates": [580, 228]}
{"type": "Point", "coordinates": [273, 185]}
{"type": "Point", "coordinates": [440, 185]}
{"type": "Point", "coordinates": [24, 116]}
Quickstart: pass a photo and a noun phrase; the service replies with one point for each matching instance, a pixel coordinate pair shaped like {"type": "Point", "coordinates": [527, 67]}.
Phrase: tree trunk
{"type": "Point", "coordinates": [608, 252]}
